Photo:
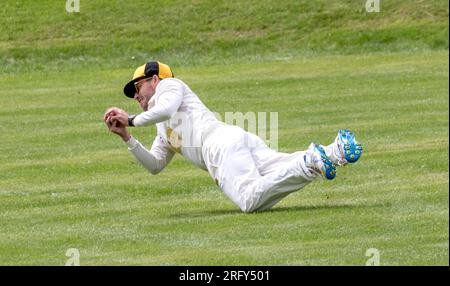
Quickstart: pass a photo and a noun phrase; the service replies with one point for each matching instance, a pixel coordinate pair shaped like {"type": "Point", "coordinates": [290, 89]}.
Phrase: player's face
{"type": "Point", "coordinates": [145, 89]}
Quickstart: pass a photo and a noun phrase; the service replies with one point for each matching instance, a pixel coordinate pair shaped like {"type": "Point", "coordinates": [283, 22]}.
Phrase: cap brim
{"type": "Point", "coordinates": [129, 89]}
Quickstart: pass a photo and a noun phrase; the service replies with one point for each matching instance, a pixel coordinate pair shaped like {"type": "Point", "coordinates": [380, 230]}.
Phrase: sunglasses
{"type": "Point", "coordinates": [137, 85]}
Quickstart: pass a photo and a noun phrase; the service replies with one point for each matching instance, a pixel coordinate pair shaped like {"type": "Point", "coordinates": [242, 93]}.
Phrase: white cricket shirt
{"type": "Point", "coordinates": [183, 122]}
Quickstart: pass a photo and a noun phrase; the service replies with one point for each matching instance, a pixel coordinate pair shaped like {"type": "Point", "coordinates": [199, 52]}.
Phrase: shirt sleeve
{"type": "Point", "coordinates": [154, 160]}
{"type": "Point", "coordinates": [166, 105]}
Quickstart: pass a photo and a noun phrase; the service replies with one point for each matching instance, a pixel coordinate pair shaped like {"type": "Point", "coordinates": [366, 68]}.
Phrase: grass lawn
{"type": "Point", "coordinates": [65, 182]}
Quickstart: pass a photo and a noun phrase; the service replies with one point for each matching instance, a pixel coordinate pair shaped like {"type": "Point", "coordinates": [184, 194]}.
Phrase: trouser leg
{"type": "Point", "coordinates": [255, 178]}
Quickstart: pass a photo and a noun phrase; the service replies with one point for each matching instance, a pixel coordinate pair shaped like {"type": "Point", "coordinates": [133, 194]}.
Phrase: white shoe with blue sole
{"type": "Point", "coordinates": [320, 163]}
{"type": "Point", "coordinates": [350, 149]}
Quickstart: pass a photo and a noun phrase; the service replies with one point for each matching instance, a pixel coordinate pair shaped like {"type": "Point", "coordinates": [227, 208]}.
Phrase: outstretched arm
{"type": "Point", "coordinates": [154, 160]}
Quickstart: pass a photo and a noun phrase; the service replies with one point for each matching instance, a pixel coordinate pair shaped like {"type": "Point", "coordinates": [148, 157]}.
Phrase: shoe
{"type": "Point", "coordinates": [319, 162]}
{"type": "Point", "coordinates": [349, 148]}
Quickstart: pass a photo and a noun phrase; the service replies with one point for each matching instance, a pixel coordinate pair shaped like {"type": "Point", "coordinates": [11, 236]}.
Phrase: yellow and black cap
{"type": "Point", "coordinates": [148, 70]}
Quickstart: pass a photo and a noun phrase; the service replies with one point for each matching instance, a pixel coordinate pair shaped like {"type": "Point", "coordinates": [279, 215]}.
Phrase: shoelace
{"type": "Point", "coordinates": [341, 161]}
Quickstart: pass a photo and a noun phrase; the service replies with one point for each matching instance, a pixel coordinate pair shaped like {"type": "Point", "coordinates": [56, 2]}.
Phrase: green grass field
{"type": "Point", "coordinates": [66, 182]}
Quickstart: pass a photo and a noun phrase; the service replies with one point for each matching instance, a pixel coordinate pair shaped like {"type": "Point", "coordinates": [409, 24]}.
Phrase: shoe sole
{"type": "Point", "coordinates": [352, 149]}
{"type": "Point", "coordinates": [329, 167]}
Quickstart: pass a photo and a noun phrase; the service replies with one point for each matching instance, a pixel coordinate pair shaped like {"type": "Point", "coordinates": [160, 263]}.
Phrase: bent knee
{"type": "Point", "coordinates": [245, 210]}
{"type": "Point", "coordinates": [248, 207]}
{"type": "Point", "coordinates": [154, 171]}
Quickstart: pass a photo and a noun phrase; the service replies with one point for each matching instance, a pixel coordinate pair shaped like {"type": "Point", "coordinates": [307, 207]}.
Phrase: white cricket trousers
{"type": "Point", "coordinates": [251, 174]}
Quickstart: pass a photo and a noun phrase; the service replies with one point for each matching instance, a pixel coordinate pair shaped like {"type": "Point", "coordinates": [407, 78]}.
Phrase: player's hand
{"type": "Point", "coordinates": [120, 116]}
{"type": "Point", "coordinates": [115, 126]}
{"type": "Point", "coordinates": [110, 112]}
{"type": "Point", "coordinates": [115, 113]}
